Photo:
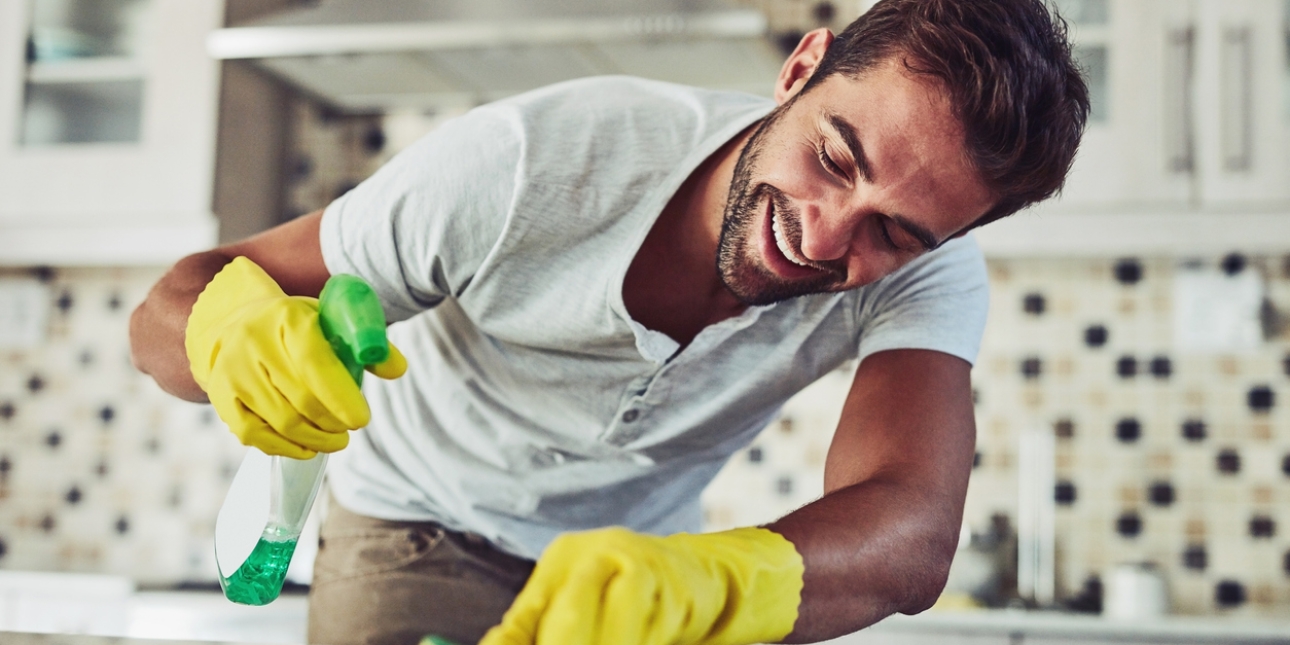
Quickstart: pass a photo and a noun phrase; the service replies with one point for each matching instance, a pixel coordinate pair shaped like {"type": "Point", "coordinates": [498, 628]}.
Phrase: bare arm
{"type": "Point", "coordinates": [881, 539]}
{"type": "Point", "coordinates": [290, 253]}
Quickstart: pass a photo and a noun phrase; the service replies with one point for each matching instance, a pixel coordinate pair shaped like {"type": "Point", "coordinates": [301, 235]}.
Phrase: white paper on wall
{"type": "Point", "coordinates": [1215, 312]}
{"type": "Point", "coordinates": [24, 312]}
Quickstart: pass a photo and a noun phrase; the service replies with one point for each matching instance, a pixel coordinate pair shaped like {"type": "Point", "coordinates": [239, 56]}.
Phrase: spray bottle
{"type": "Point", "coordinates": [269, 500]}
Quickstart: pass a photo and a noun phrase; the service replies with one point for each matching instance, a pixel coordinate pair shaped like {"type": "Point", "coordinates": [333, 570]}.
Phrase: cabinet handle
{"type": "Point", "coordinates": [1179, 147]}
{"type": "Point", "coordinates": [1235, 107]}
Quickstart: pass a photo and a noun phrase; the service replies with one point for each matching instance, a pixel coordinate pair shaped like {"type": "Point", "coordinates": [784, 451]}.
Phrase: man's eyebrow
{"type": "Point", "coordinates": [920, 233]}
{"type": "Point", "coordinates": [852, 142]}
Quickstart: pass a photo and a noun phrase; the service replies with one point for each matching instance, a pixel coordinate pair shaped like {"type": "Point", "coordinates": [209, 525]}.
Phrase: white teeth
{"type": "Point", "coordinates": [783, 244]}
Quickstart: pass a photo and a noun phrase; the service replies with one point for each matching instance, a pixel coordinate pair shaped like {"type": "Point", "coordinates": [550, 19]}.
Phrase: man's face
{"type": "Point", "coordinates": [845, 184]}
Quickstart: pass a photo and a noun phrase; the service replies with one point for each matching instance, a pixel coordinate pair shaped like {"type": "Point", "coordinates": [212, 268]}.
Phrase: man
{"type": "Point", "coordinates": [609, 286]}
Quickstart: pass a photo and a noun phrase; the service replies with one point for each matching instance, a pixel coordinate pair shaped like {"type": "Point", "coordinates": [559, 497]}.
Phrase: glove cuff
{"type": "Point", "coordinates": [764, 573]}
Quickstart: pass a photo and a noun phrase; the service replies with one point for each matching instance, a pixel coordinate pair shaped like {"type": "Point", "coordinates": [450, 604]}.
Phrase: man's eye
{"type": "Point", "coordinates": [828, 162]}
{"type": "Point", "coordinates": [888, 240]}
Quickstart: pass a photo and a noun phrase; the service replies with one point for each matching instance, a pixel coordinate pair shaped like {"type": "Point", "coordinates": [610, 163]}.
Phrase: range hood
{"type": "Point", "coordinates": [377, 55]}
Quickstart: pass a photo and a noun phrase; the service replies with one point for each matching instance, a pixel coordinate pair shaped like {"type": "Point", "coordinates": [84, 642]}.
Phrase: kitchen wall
{"type": "Point", "coordinates": [1166, 451]}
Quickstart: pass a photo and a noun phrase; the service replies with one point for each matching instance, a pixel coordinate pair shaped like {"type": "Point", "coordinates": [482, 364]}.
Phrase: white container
{"type": "Point", "coordinates": [1135, 591]}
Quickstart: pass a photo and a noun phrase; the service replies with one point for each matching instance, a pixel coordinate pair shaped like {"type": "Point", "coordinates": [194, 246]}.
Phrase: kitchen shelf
{"type": "Point", "coordinates": [86, 70]}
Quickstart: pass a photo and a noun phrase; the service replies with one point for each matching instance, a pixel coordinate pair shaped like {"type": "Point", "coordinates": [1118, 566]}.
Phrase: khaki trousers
{"type": "Point", "coordinates": [391, 583]}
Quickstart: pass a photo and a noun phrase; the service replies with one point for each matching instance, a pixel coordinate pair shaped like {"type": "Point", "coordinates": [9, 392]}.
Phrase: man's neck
{"type": "Point", "coordinates": [672, 285]}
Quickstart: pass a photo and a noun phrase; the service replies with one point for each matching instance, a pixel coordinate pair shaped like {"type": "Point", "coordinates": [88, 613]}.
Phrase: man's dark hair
{"type": "Point", "coordinates": [1006, 66]}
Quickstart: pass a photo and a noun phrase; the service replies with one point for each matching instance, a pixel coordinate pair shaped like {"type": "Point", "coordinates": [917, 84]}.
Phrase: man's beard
{"type": "Point", "coordinates": [751, 282]}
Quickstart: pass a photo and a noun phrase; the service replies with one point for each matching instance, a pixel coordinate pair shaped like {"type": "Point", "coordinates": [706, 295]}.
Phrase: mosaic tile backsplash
{"type": "Point", "coordinates": [1162, 456]}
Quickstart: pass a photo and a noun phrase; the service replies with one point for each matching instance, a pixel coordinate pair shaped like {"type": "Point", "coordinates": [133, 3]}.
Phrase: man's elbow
{"type": "Point", "coordinates": [930, 570]}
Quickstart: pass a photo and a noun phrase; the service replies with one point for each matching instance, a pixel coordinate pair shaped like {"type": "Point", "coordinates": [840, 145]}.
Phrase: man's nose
{"type": "Point", "coordinates": [829, 231]}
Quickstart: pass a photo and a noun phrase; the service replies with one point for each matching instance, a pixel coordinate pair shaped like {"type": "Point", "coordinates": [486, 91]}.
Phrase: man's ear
{"type": "Point", "coordinates": [802, 63]}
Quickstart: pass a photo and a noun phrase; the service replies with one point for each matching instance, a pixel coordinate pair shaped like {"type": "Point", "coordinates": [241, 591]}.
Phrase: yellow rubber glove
{"type": "Point", "coordinates": [615, 587]}
{"type": "Point", "coordinates": [261, 357]}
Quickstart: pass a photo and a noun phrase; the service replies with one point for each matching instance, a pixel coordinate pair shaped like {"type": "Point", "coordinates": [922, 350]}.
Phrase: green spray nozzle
{"type": "Point", "coordinates": [353, 322]}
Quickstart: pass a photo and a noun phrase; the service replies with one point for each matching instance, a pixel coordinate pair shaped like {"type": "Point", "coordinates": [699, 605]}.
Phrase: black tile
{"type": "Point", "coordinates": [1161, 493]}
{"type": "Point", "coordinates": [976, 459]}
{"type": "Point", "coordinates": [1129, 524]}
{"type": "Point", "coordinates": [1261, 398]}
{"type": "Point", "coordinates": [1064, 429]}
{"type": "Point", "coordinates": [1262, 526]}
{"type": "Point", "coordinates": [976, 396]}
{"type": "Point", "coordinates": [1229, 593]}
{"type": "Point", "coordinates": [4, 548]}
{"type": "Point", "coordinates": [5, 467]}
{"type": "Point", "coordinates": [64, 301]}
{"type": "Point", "coordinates": [122, 525]}
{"type": "Point", "coordinates": [787, 41]}
{"type": "Point", "coordinates": [1285, 563]}
{"type": "Point", "coordinates": [1196, 557]}
{"type": "Point", "coordinates": [1126, 367]}
{"type": "Point", "coordinates": [1097, 335]}
{"type": "Point", "coordinates": [1034, 304]}
{"type": "Point", "coordinates": [35, 384]}
{"type": "Point", "coordinates": [1228, 461]}
{"type": "Point", "coordinates": [74, 496]}
{"type": "Point", "coordinates": [85, 358]}
{"type": "Point", "coordinates": [1194, 430]}
{"type": "Point", "coordinates": [1064, 493]}
{"type": "Point", "coordinates": [1285, 364]}
{"type": "Point", "coordinates": [1128, 430]}
{"type": "Point", "coordinates": [7, 410]}
{"type": "Point", "coordinates": [1128, 271]}
{"type": "Point", "coordinates": [106, 414]}
{"type": "Point", "coordinates": [1032, 367]}
{"type": "Point", "coordinates": [101, 469]}
{"type": "Point", "coordinates": [114, 302]}
{"type": "Point", "coordinates": [1285, 465]}
{"type": "Point", "coordinates": [44, 274]}
{"type": "Point", "coordinates": [48, 523]}
{"type": "Point", "coordinates": [824, 13]}
{"type": "Point", "coordinates": [374, 139]}
{"type": "Point", "coordinates": [1162, 367]}
{"type": "Point", "coordinates": [54, 439]}
{"type": "Point", "coordinates": [1233, 263]}
{"type": "Point", "coordinates": [755, 455]}
{"type": "Point", "coordinates": [784, 486]}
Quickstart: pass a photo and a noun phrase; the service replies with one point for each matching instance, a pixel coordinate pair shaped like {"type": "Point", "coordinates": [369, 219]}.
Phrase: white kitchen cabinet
{"type": "Point", "coordinates": [107, 130]}
{"type": "Point", "coordinates": [1135, 152]}
{"type": "Point", "coordinates": [1243, 129]}
{"type": "Point", "coordinates": [1188, 147]}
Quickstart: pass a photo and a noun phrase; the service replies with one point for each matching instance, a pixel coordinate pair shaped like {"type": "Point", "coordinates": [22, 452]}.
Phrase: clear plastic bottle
{"type": "Point", "coordinates": [266, 507]}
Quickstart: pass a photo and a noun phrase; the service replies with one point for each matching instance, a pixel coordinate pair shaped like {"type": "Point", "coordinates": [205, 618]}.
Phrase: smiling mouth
{"type": "Point", "coordinates": [781, 241]}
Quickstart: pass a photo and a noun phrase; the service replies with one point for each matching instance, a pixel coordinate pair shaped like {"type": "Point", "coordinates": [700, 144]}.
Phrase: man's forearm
{"type": "Point", "coordinates": [870, 550]}
{"type": "Point", "coordinates": [157, 325]}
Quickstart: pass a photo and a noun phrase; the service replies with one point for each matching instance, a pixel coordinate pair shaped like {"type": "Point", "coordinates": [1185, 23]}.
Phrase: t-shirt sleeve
{"type": "Point", "coordinates": [420, 227]}
{"type": "Point", "coordinates": [937, 302]}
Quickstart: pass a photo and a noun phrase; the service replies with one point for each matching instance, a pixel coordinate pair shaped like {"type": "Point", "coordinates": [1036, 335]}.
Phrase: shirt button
{"type": "Point", "coordinates": [631, 415]}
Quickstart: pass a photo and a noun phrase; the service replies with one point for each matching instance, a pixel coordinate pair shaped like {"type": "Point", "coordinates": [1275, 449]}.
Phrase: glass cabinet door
{"type": "Point", "coordinates": [84, 79]}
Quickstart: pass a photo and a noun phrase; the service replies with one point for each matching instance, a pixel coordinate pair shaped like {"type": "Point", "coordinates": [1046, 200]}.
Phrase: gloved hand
{"type": "Point", "coordinates": [261, 358]}
{"type": "Point", "coordinates": [616, 587]}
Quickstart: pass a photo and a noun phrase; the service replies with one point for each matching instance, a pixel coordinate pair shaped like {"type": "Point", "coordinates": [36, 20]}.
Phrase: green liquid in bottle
{"type": "Point", "coordinates": [259, 580]}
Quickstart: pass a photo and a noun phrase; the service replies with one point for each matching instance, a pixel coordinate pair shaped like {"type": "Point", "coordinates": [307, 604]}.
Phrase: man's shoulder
{"type": "Point", "coordinates": [616, 93]}
{"type": "Point", "coordinates": [609, 129]}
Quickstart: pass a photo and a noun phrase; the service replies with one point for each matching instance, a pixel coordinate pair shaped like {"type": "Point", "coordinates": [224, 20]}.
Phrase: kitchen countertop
{"type": "Point", "coordinates": [189, 618]}
{"type": "Point", "coordinates": [18, 638]}
{"type": "Point", "coordinates": [1059, 625]}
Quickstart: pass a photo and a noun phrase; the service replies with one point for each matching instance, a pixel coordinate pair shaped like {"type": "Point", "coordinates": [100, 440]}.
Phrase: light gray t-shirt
{"type": "Point", "coordinates": [533, 403]}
